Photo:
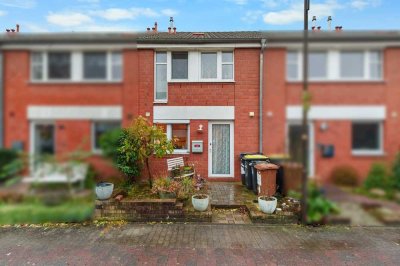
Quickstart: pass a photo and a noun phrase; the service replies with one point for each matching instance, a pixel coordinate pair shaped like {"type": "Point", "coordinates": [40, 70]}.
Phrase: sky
{"type": "Point", "coordinates": [194, 15]}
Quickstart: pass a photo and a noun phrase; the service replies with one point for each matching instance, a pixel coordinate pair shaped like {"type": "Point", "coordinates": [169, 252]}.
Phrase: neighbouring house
{"type": "Point", "coordinates": [62, 91]}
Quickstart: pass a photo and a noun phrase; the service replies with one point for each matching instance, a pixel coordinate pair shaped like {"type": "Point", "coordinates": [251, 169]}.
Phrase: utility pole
{"type": "Point", "coordinates": [306, 105]}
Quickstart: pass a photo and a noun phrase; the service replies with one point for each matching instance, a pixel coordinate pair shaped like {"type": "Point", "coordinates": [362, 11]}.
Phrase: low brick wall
{"type": "Point", "coordinates": [148, 210]}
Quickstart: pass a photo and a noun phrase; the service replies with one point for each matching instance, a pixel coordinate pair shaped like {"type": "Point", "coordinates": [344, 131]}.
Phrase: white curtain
{"type": "Point", "coordinates": [221, 149]}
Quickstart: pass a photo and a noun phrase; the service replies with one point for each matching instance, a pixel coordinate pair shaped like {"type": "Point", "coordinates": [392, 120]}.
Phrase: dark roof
{"type": "Point", "coordinates": [68, 38]}
{"type": "Point", "coordinates": [201, 37]}
{"type": "Point", "coordinates": [332, 36]}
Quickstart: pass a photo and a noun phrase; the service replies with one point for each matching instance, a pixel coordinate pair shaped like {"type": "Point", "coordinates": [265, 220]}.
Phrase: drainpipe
{"type": "Point", "coordinates": [1, 101]}
{"type": "Point", "coordinates": [260, 141]}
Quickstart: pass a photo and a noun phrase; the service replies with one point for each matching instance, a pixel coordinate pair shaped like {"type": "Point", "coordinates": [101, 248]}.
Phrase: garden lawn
{"type": "Point", "coordinates": [34, 212]}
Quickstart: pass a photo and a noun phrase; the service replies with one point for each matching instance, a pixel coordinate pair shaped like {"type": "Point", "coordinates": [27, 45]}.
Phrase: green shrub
{"type": "Point", "coordinates": [11, 164]}
{"type": "Point", "coordinates": [344, 175]}
{"type": "Point", "coordinates": [377, 177]}
{"type": "Point", "coordinates": [90, 181]}
{"type": "Point", "coordinates": [396, 172]}
{"type": "Point", "coordinates": [318, 206]}
{"type": "Point", "coordinates": [110, 142]}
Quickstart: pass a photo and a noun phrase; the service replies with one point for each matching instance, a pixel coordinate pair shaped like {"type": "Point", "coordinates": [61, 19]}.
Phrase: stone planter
{"type": "Point", "coordinates": [200, 202]}
{"type": "Point", "coordinates": [104, 190]}
{"type": "Point", "coordinates": [267, 204]}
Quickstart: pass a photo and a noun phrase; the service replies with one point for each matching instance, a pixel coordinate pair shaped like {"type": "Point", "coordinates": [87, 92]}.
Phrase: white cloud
{"type": "Point", "coordinates": [68, 19]}
{"type": "Point", "coordinates": [294, 13]}
{"type": "Point", "coordinates": [19, 3]}
{"type": "Point", "coordinates": [361, 4]}
{"type": "Point", "coordinates": [251, 16]}
{"type": "Point", "coordinates": [273, 3]}
{"type": "Point", "coordinates": [114, 14]}
{"type": "Point", "coordinates": [169, 12]}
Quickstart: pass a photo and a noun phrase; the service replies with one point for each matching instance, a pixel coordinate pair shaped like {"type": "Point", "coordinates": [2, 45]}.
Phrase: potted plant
{"type": "Point", "coordinates": [200, 202]}
{"type": "Point", "coordinates": [165, 187]}
{"type": "Point", "coordinates": [187, 169]}
{"type": "Point", "coordinates": [267, 204]}
{"type": "Point", "coordinates": [104, 190]}
{"type": "Point", "coordinates": [187, 187]}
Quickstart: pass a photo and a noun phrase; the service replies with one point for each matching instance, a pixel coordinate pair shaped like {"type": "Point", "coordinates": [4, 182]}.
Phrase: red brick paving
{"type": "Point", "coordinates": [195, 244]}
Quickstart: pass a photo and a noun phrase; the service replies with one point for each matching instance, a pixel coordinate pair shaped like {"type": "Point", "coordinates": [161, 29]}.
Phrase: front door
{"type": "Point", "coordinates": [220, 149]}
{"type": "Point", "coordinates": [43, 139]}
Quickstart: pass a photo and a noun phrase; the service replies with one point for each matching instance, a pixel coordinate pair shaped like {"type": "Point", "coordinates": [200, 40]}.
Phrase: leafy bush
{"type": "Point", "coordinates": [344, 175]}
{"type": "Point", "coordinates": [377, 177]}
{"type": "Point", "coordinates": [11, 164]}
{"type": "Point", "coordinates": [318, 206]}
{"type": "Point", "coordinates": [396, 172]}
{"type": "Point", "coordinates": [110, 142]}
{"type": "Point", "coordinates": [165, 185]}
{"type": "Point", "coordinates": [139, 142]}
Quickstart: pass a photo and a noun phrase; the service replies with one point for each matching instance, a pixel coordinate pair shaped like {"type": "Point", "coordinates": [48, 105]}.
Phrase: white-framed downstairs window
{"type": "Point", "coordinates": [367, 138]}
{"type": "Point", "coordinates": [99, 128]}
{"type": "Point", "coordinates": [161, 84]}
{"type": "Point", "coordinates": [179, 134]}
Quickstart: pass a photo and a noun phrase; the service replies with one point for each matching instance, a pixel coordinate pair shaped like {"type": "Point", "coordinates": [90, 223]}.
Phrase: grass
{"type": "Point", "coordinates": [36, 212]}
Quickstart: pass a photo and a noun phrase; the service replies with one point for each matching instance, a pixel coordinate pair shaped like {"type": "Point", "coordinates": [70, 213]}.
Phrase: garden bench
{"type": "Point", "coordinates": [177, 162]}
{"type": "Point", "coordinates": [47, 173]}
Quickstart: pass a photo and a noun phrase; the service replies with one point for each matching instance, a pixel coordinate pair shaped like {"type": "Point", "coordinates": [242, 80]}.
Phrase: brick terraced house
{"type": "Point", "coordinates": [60, 92]}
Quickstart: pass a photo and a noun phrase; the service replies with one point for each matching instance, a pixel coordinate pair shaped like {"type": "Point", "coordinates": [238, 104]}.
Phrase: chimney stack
{"type": "Point", "coordinates": [169, 30]}
{"type": "Point", "coordinates": [155, 29]}
{"type": "Point", "coordinates": [338, 28]}
{"type": "Point", "coordinates": [174, 30]}
{"type": "Point", "coordinates": [329, 23]}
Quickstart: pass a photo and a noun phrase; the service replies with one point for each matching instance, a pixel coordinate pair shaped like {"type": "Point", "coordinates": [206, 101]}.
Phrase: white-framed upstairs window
{"type": "Point", "coordinates": [336, 65]}
{"type": "Point", "coordinates": [227, 66]}
{"type": "Point", "coordinates": [367, 138]}
{"type": "Point", "coordinates": [161, 84]}
{"type": "Point", "coordinates": [76, 66]}
{"type": "Point", "coordinates": [179, 134]}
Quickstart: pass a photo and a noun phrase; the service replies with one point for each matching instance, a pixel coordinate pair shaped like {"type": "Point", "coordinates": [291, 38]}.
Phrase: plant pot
{"type": "Point", "coordinates": [104, 190]}
{"type": "Point", "coordinates": [200, 202]}
{"type": "Point", "coordinates": [167, 195]}
{"type": "Point", "coordinates": [267, 204]}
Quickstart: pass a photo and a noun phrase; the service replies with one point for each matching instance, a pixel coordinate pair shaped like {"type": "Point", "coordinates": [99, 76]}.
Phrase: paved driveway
{"type": "Point", "coordinates": [196, 244]}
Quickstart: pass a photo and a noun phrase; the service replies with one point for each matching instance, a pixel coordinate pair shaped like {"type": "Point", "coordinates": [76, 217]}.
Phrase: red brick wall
{"type": "Point", "coordinates": [279, 94]}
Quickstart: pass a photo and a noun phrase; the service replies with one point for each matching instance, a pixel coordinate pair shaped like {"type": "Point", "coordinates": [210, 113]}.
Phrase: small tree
{"type": "Point", "coordinates": [141, 140]}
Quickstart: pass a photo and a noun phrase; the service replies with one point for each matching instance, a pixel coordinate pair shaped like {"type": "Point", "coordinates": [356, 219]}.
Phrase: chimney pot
{"type": "Point", "coordinates": [169, 30]}
{"type": "Point", "coordinates": [148, 29]}
{"type": "Point", "coordinates": [12, 30]}
{"type": "Point", "coordinates": [313, 28]}
{"type": "Point", "coordinates": [174, 30]}
{"type": "Point", "coordinates": [7, 30]}
{"type": "Point", "coordinates": [319, 28]}
{"type": "Point", "coordinates": [155, 26]}
{"type": "Point", "coordinates": [17, 27]}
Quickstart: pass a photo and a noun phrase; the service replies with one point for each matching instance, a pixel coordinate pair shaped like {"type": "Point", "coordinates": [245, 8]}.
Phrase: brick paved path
{"type": "Point", "coordinates": [195, 244]}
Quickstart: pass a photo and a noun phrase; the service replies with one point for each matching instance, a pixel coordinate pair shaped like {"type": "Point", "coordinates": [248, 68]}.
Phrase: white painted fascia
{"type": "Point", "coordinates": [338, 112]}
{"type": "Point", "coordinates": [336, 45]}
{"type": "Point", "coordinates": [198, 46]}
{"type": "Point", "coordinates": [68, 47]}
{"type": "Point", "coordinates": [193, 112]}
{"type": "Point", "coordinates": [46, 112]}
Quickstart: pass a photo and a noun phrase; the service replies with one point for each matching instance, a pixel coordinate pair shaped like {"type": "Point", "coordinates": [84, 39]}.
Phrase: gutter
{"type": "Point", "coordinates": [260, 141]}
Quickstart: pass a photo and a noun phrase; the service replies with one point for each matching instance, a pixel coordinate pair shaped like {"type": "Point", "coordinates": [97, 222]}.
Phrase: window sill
{"type": "Point", "coordinates": [371, 81]}
{"type": "Point", "coordinates": [162, 102]}
{"type": "Point", "coordinates": [180, 152]}
{"type": "Point", "coordinates": [202, 81]}
{"type": "Point", "coordinates": [74, 82]}
{"type": "Point", "coordinates": [368, 153]}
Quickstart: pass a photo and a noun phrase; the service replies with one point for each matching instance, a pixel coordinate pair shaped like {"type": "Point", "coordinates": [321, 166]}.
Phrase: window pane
{"type": "Point", "coordinates": [209, 65]}
{"type": "Point", "coordinates": [227, 71]}
{"type": "Point", "coordinates": [375, 56]}
{"type": "Point", "coordinates": [292, 71]}
{"type": "Point", "coordinates": [375, 66]}
{"type": "Point", "coordinates": [227, 57]}
{"type": "Point", "coordinates": [161, 82]}
{"type": "Point", "coordinates": [37, 58]}
{"type": "Point", "coordinates": [292, 66]}
{"type": "Point", "coordinates": [180, 65]}
{"type": "Point", "coordinates": [102, 127]}
{"type": "Point", "coordinates": [352, 64]}
{"type": "Point", "coordinates": [365, 136]}
{"type": "Point", "coordinates": [95, 65]}
{"type": "Point", "coordinates": [44, 139]}
{"type": "Point", "coordinates": [179, 136]}
{"type": "Point", "coordinates": [161, 57]}
{"type": "Point", "coordinates": [116, 66]}
{"type": "Point", "coordinates": [292, 57]}
{"type": "Point", "coordinates": [317, 65]}
{"type": "Point", "coordinates": [59, 65]}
